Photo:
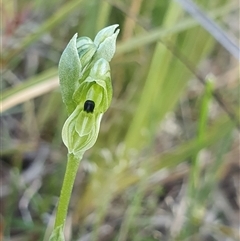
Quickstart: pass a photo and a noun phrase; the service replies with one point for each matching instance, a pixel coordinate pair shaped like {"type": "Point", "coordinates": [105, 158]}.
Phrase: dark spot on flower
{"type": "Point", "coordinates": [89, 106]}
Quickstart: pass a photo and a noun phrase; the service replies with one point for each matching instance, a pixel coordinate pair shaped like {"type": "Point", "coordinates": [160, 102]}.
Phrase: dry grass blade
{"type": "Point", "coordinates": [30, 89]}
{"type": "Point", "coordinates": [211, 27]}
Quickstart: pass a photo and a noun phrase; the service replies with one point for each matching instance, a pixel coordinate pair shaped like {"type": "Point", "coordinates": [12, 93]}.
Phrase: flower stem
{"type": "Point", "coordinates": [69, 178]}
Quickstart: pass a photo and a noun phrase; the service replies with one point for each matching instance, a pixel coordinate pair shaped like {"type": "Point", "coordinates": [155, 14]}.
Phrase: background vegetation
{"type": "Point", "coordinates": [166, 163]}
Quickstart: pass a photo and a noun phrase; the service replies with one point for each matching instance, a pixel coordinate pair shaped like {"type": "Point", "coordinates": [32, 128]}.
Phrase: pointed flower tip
{"type": "Point", "coordinates": [105, 33]}
{"type": "Point", "coordinates": [105, 42]}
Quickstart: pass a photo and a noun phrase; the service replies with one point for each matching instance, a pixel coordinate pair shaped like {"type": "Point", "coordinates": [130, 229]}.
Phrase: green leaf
{"type": "Point", "coordinates": [57, 234]}
{"type": "Point", "coordinates": [69, 73]}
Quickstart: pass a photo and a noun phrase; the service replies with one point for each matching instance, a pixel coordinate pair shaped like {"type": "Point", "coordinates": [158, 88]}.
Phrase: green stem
{"type": "Point", "coordinates": [70, 174]}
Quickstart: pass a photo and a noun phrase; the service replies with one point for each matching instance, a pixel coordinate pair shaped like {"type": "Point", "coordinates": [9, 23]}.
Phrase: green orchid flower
{"type": "Point", "coordinates": [86, 88]}
{"type": "Point", "coordinates": [80, 56]}
{"type": "Point", "coordinates": [85, 81]}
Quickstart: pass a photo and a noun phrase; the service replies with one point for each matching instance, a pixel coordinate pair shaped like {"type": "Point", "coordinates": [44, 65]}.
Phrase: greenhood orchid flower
{"type": "Point", "coordinates": [85, 82]}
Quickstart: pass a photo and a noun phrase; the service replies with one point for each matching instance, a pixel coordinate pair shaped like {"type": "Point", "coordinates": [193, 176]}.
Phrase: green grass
{"type": "Point", "coordinates": [165, 145]}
